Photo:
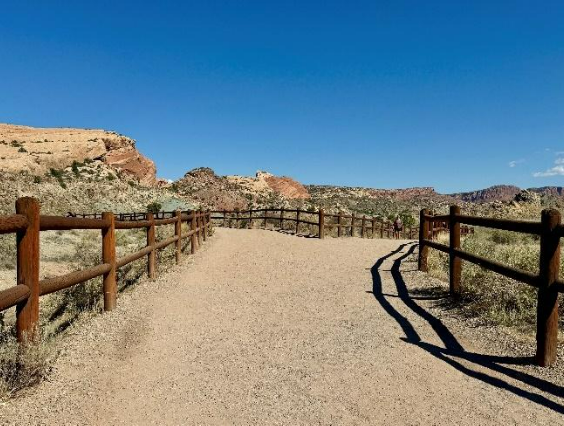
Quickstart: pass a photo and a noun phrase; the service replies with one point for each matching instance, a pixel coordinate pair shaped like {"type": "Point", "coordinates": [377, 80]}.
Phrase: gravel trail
{"type": "Point", "coordinates": [265, 328]}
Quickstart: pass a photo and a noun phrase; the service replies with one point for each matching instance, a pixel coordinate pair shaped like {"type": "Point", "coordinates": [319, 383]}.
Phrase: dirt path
{"type": "Point", "coordinates": [265, 328]}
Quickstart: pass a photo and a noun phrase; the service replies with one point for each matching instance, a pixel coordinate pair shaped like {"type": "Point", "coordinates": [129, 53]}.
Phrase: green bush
{"type": "Point", "coordinates": [56, 173]}
{"type": "Point", "coordinates": [154, 207]}
{"type": "Point", "coordinates": [75, 166]}
{"type": "Point", "coordinates": [22, 149]}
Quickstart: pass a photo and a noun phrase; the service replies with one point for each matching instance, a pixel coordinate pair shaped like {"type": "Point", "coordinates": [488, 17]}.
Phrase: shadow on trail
{"type": "Point", "coordinates": [452, 348]}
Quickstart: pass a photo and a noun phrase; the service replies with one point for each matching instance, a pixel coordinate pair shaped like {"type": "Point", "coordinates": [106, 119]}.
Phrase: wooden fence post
{"type": "Point", "coordinates": [151, 257]}
{"type": "Point", "coordinates": [178, 233]}
{"type": "Point", "coordinates": [224, 218]}
{"type": "Point", "coordinates": [297, 221]}
{"type": "Point", "coordinates": [547, 305]}
{"type": "Point", "coordinates": [363, 225]}
{"type": "Point", "coordinates": [455, 261]}
{"type": "Point", "coordinates": [423, 234]}
{"type": "Point", "coordinates": [321, 224]}
{"type": "Point", "coordinates": [281, 217]}
{"type": "Point", "coordinates": [382, 228]}
{"type": "Point", "coordinates": [373, 227]}
{"type": "Point", "coordinates": [340, 224]}
{"type": "Point", "coordinates": [27, 312]}
{"type": "Point", "coordinates": [265, 217]}
{"type": "Point", "coordinates": [250, 218]}
{"type": "Point", "coordinates": [198, 226]}
{"type": "Point", "coordinates": [109, 256]}
{"type": "Point", "coordinates": [352, 224]}
{"type": "Point", "coordinates": [205, 225]}
{"type": "Point", "coordinates": [193, 237]}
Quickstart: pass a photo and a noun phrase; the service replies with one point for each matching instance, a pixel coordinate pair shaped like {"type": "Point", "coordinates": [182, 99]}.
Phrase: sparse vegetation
{"type": "Point", "coordinates": [22, 366]}
{"type": "Point", "coordinates": [22, 149]}
{"type": "Point", "coordinates": [491, 297]}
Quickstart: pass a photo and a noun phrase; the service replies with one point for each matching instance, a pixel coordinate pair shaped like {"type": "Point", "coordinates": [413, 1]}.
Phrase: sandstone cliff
{"type": "Point", "coordinates": [36, 150]}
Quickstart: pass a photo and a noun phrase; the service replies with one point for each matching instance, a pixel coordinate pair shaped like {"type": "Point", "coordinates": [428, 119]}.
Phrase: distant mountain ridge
{"type": "Point", "coordinates": [505, 193]}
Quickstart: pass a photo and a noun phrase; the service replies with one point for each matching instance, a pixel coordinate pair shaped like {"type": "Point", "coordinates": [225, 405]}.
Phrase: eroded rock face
{"type": "Point", "coordinates": [285, 186]}
{"type": "Point", "coordinates": [36, 150]}
{"type": "Point", "coordinates": [132, 163]}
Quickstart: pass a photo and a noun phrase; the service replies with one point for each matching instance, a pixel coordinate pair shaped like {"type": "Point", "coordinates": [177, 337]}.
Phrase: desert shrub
{"type": "Point", "coordinates": [23, 366]}
{"type": "Point", "coordinates": [75, 166]}
{"type": "Point", "coordinates": [110, 177]}
{"type": "Point", "coordinates": [22, 149]}
{"type": "Point", "coordinates": [15, 144]}
{"type": "Point", "coordinates": [56, 173]}
{"type": "Point", "coordinates": [37, 179]}
{"type": "Point", "coordinates": [154, 207]}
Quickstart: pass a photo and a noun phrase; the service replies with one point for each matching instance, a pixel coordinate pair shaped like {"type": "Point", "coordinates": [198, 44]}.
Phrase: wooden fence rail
{"type": "Point", "coordinates": [27, 223]}
{"type": "Point", "coordinates": [547, 281]}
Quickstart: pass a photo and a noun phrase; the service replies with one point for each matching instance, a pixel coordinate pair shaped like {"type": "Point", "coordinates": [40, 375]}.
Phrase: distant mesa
{"type": "Point", "coordinates": [36, 150]}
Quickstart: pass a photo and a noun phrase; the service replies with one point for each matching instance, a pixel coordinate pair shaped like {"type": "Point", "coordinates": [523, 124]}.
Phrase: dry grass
{"type": "Point", "coordinates": [22, 366]}
{"type": "Point", "coordinates": [489, 296]}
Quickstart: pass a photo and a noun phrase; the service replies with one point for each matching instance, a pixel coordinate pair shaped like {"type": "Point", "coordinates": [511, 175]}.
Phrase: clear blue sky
{"type": "Point", "coordinates": [378, 93]}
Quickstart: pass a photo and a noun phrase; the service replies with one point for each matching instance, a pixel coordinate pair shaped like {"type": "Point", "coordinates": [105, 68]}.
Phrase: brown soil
{"type": "Point", "coordinates": [265, 328]}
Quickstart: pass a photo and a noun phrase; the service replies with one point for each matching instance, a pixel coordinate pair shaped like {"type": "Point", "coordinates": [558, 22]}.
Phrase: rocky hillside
{"type": "Point", "coordinates": [91, 187]}
{"type": "Point", "coordinates": [239, 192]}
{"type": "Point", "coordinates": [37, 150]}
{"type": "Point", "coordinates": [507, 193]}
{"type": "Point", "coordinates": [494, 193]}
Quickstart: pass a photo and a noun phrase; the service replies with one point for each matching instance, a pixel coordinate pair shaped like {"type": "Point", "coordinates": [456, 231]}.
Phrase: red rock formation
{"type": "Point", "coordinates": [132, 163]}
{"type": "Point", "coordinates": [285, 186]}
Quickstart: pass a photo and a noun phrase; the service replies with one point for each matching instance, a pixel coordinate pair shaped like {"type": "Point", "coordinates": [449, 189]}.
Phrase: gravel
{"type": "Point", "coordinates": [265, 328]}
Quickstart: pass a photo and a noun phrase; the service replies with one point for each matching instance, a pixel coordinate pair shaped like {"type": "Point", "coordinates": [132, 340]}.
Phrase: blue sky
{"type": "Point", "coordinates": [457, 95]}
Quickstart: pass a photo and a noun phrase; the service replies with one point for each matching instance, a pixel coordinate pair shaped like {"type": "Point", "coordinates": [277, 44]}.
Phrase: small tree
{"type": "Point", "coordinates": [154, 207]}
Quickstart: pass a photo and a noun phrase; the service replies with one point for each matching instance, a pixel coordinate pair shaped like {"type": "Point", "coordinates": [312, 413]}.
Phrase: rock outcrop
{"type": "Point", "coordinates": [285, 186]}
{"type": "Point", "coordinates": [36, 150]}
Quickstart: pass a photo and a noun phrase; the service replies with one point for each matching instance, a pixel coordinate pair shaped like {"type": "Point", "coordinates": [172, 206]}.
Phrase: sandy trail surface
{"type": "Point", "coordinates": [265, 328]}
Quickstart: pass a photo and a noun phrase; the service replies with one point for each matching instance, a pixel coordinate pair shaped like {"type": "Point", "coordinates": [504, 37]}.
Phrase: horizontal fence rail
{"type": "Point", "coordinates": [345, 224]}
{"type": "Point", "coordinates": [27, 223]}
{"type": "Point", "coordinates": [547, 281]}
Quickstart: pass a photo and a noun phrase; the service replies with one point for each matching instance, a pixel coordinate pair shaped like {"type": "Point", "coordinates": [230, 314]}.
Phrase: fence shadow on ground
{"type": "Point", "coordinates": [452, 349]}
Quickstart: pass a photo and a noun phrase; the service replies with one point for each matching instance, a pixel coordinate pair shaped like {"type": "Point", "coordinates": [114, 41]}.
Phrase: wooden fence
{"type": "Point", "coordinates": [547, 280]}
{"type": "Point", "coordinates": [345, 225]}
{"type": "Point", "coordinates": [27, 223]}
{"type": "Point", "coordinates": [318, 222]}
